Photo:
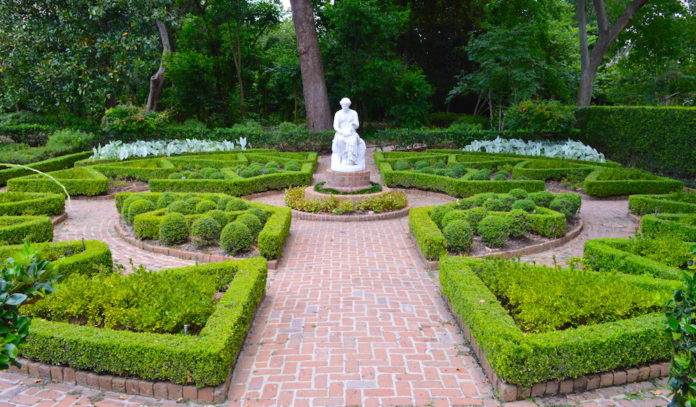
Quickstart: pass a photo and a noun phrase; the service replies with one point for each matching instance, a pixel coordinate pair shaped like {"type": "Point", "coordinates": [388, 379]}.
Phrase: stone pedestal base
{"type": "Point", "coordinates": [348, 181]}
{"type": "Point", "coordinates": [311, 193]}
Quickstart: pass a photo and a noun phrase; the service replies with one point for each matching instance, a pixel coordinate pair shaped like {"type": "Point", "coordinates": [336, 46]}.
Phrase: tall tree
{"type": "Point", "coordinates": [313, 82]}
{"type": "Point", "coordinates": [590, 60]}
{"type": "Point", "coordinates": [157, 80]}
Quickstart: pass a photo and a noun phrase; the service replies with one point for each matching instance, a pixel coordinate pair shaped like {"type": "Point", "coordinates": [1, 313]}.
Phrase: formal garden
{"type": "Point", "coordinates": [354, 203]}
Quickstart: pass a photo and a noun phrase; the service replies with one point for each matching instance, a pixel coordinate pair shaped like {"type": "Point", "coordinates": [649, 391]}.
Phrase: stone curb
{"type": "Point", "coordinates": [323, 217]}
{"type": "Point", "coordinates": [508, 392]}
{"type": "Point", "coordinates": [311, 193]}
{"type": "Point", "coordinates": [59, 219]}
{"type": "Point", "coordinates": [143, 188]}
{"type": "Point", "coordinates": [432, 265]}
{"type": "Point", "coordinates": [181, 254]}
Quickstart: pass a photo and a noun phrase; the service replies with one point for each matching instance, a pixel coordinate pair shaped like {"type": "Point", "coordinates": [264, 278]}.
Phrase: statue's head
{"type": "Point", "coordinates": [345, 103]}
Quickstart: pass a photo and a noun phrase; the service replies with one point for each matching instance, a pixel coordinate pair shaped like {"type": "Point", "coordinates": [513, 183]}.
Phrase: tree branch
{"type": "Point", "coordinates": [625, 18]}
{"type": "Point", "coordinates": [602, 20]}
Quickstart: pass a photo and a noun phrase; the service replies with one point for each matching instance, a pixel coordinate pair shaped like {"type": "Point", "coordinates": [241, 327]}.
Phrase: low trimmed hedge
{"type": "Point", "coordinates": [141, 170]}
{"type": "Point", "coordinates": [14, 229]}
{"type": "Point", "coordinates": [673, 203]}
{"type": "Point", "coordinates": [72, 257]}
{"type": "Point", "coordinates": [202, 360]}
{"type": "Point", "coordinates": [551, 169]}
{"type": "Point", "coordinates": [683, 225]}
{"type": "Point", "coordinates": [594, 186]}
{"type": "Point", "coordinates": [53, 164]}
{"type": "Point", "coordinates": [609, 255]}
{"type": "Point", "coordinates": [77, 181]}
{"type": "Point", "coordinates": [27, 203]}
{"type": "Point", "coordinates": [526, 359]}
{"type": "Point", "coordinates": [428, 237]}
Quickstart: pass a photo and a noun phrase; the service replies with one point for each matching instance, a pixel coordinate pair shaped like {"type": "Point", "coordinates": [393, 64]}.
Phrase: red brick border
{"type": "Point", "coordinates": [311, 193]}
{"type": "Point", "coordinates": [181, 254]}
{"type": "Point", "coordinates": [57, 220]}
{"type": "Point", "coordinates": [536, 248]}
{"type": "Point", "coordinates": [327, 217]}
{"type": "Point", "coordinates": [510, 392]}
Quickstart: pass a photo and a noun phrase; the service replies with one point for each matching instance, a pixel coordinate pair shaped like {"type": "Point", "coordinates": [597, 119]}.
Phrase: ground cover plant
{"type": "Point", "coordinates": [464, 173]}
{"type": "Point", "coordinates": [207, 222]}
{"type": "Point", "coordinates": [491, 219]}
{"type": "Point", "coordinates": [219, 322]}
{"type": "Point", "coordinates": [28, 203]}
{"type": "Point", "coordinates": [386, 202]}
{"type": "Point", "coordinates": [558, 330]}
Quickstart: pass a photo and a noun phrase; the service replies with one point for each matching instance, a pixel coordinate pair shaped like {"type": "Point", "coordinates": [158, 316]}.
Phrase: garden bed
{"type": "Point", "coordinates": [677, 202]}
{"type": "Point", "coordinates": [28, 203]}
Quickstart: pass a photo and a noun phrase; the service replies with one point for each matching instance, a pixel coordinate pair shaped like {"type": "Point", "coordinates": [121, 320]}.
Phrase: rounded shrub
{"type": "Point", "coordinates": [496, 204]}
{"type": "Point", "coordinates": [271, 170]}
{"type": "Point", "coordinates": [176, 175]}
{"type": "Point", "coordinates": [541, 198]}
{"type": "Point", "coordinates": [402, 165]}
{"type": "Point", "coordinates": [480, 199]}
{"type": "Point", "coordinates": [205, 205]}
{"type": "Point", "coordinates": [252, 222]}
{"type": "Point", "coordinates": [219, 216]}
{"type": "Point", "coordinates": [236, 204]}
{"type": "Point", "coordinates": [481, 175]}
{"type": "Point", "coordinates": [508, 199]}
{"type": "Point", "coordinates": [236, 238]}
{"type": "Point", "coordinates": [458, 170]}
{"type": "Point", "coordinates": [165, 199]}
{"type": "Point", "coordinates": [292, 166]}
{"type": "Point", "coordinates": [494, 230]}
{"type": "Point", "coordinates": [272, 164]}
{"type": "Point", "coordinates": [173, 229]}
{"type": "Point", "coordinates": [420, 164]}
{"type": "Point", "coordinates": [182, 207]}
{"type": "Point", "coordinates": [519, 223]}
{"type": "Point", "coordinates": [138, 207]}
{"type": "Point", "coordinates": [459, 236]}
{"type": "Point", "coordinates": [438, 213]}
{"type": "Point", "coordinates": [205, 230]}
{"type": "Point", "coordinates": [208, 171]}
{"type": "Point", "coordinates": [518, 193]}
{"type": "Point", "coordinates": [427, 170]}
{"type": "Point", "coordinates": [501, 176]}
{"type": "Point", "coordinates": [127, 203]}
{"type": "Point", "coordinates": [439, 165]}
{"type": "Point", "coordinates": [222, 202]}
{"type": "Point", "coordinates": [442, 171]}
{"type": "Point", "coordinates": [526, 205]}
{"type": "Point", "coordinates": [259, 213]}
{"type": "Point", "coordinates": [466, 203]}
{"type": "Point", "coordinates": [564, 206]}
{"type": "Point", "coordinates": [474, 215]}
{"type": "Point", "coordinates": [452, 216]}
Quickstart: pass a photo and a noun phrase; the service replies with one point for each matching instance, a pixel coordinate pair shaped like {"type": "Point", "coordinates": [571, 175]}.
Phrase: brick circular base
{"type": "Point", "coordinates": [348, 181]}
{"type": "Point", "coordinates": [311, 193]}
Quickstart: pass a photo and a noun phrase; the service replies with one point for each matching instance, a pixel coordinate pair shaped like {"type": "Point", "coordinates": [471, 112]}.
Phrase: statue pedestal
{"type": "Point", "coordinates": [348, 181]}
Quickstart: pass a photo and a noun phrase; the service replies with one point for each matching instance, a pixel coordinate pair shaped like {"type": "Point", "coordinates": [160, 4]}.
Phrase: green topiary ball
{"type": "Point", "coordinates": [182, 207]}
{"type": "Point", "coordinates": [466, 203]}
{"type": "Point", "coordinates": [292, 166]}
{"type": "Point", "coordinates": [204, 206]}
{"type": "Point", "coordinates": [494, 230]}
{"type": "Point", "coordinates": [519, 223]}
{"type": "Point", "coordinates": [501, 176]}
{"type": "Point", "coordinates": [541, 198]}
{"type": "Point", "coordinates": [252, 222]}
{"type": "Point", "coordinates": [259, 213]}
{"type": "Point", "coordinates": [439, 165]}
{"type": "Point", "coordinates": [564, 206]}
{"type": "Point", "coordinates": [480, 199]}
{"type": "Point", "coordinates": [222, 202]}
{"type": "Point", "coordinates": [474, 215]}
{"type": "Point", "coordinates": [173, 229]}
{"type": "Point", "coordinates": [127, 203]}
{"type": "Point", "coordinates": [402, 165]}
{"type": "Point", "coordinates": [496, 204]}
{"type": "Point", "coordinates": [438, 213]}
{"type": "Point", "coordinates": [272, 164]}
{"type": "Point", "coordinates": [219, 216]}
{"type": "Point", "coordinates": [236, 204]}
{"type": "Point", "coordinates": [526, 205]}
{"type": "Point", "coordinates": [459, 235]}
{"type": "Point", "coordinates": [458, 170]}
{"type": "Point", "coordinates": [194, 200]}
{"type": "Point", "coordinates": [442, 171]}
{"type": "Point", "coordinates": [452, 216]}
{"type": "Point", "coordinates": [419, 165]}
{"type": "Point", "coordinates": [481, 175]}
{"type": "Point", "coordinates": [236, 238]}
{"type": "Point", "coordinates": [138, 207]}
{"type": "Point", "coordinates": [518, 193]}
{"type": "Point", "coordinates": [205, 231]}
{"type": "Point", "coordinates": [208, 171]}
{"type": "Point", "coordinates": [165, 199]}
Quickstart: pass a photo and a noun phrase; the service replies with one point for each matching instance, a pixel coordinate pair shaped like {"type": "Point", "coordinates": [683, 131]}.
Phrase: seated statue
{"type": "Point", "coordinates": [348, 149]}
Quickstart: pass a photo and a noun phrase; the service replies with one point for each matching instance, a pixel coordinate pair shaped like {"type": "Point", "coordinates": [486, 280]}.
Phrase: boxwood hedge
{"type": "Point", "coordinates": [27, 203]}
{"type": "Point", "coordinates": [679, 202]}
{"type": "Point", "coordinates": [596, 186]}
{"type": "Point", "coordinates": [77, 181]}
{"type": "Point", "coordinates": [82, 257]}
{"type": "Point", "coordinates": [525, 358]}
{"type": "Point", "coordinates": [15, 229]}
{"type": "Point", "coordinates": [683, 225]}
{"type": "Point", "coordinates": [611, 255]}
{"type": "Point", "coordinates": [53, 164]}
{"type": "Point", "coordinates": [202, 360]}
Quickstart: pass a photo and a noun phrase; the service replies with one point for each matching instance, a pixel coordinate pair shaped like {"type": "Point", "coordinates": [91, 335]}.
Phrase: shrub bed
{"type": "Point", "coordinates": [583, 347]}
{"type": "Point", "coordinates": [678, 202]}
{"type": "Point", "coordinates": [73, 257]}
{"type": "Point", "coordinates": [682, 225]}
{"type": "Point", "coordinates": [15, 229]}
{"type": "Point", "coordinates": [77, 181]}
{"type": "Point", "coordinates": [385, 202]}
{"type": "Point", "coordinates": [202, 360]}
{"type": "Point", "coordinates": [26, 203]}
{"type": "Point", "coordinates": [614, 181]}
{"type": "Point", "coordinates": [52, 164]}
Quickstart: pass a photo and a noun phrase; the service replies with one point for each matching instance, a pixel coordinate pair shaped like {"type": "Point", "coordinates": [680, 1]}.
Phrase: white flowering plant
{"type": "Point", "coordinates": [569, 149]}
{"type": "Point", "coordinates": [123, 151]}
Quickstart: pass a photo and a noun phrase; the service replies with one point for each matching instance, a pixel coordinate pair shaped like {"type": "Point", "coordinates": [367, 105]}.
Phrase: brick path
{"type": "Point", "coordinates": [351, 318]}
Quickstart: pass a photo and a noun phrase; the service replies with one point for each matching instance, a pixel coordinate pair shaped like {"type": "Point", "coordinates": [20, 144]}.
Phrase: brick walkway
{"type": "Point", "coordinates": [350, 318]}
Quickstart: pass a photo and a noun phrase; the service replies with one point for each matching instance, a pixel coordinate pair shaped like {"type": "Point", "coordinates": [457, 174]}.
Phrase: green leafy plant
{"type": "Point", "coordinates": [236, 238]}
{"type": "Point", "coordinates": [205, 230]}
{"type": "Point", "coordinates": [494, 230]}
{"type": "Point", "coordinates": [22, 278]}
{"type": "Point", "coordinates": [173, 229]}
{"type": "Point", "coordinates": [459, 235]}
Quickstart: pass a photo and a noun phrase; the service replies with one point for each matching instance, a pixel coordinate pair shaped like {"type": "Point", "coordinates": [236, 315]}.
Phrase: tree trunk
{"type": "Point", "coordinates": [313, 83]}
{"type": "Point", "coordinates": [591, 60]}
{"type": "Point", "coordinates": [157, 80]}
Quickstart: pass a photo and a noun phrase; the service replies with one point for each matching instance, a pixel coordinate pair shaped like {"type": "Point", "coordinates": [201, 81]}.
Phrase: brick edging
{"type": "Point", "coordinates": [635, 218]}
{"type": "Point", "coordinates": [181, 254]}
{"type": "Point", "coordinates": [325, 217]}
{"type": "Point", "coordinates": [536, 248]}
{"type": "Point", "coordinates": [510, 392]}
{"type": "Point", "coordinates": [59, 219]}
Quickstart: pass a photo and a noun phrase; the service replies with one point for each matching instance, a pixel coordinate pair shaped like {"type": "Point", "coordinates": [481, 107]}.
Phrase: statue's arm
{"type": "Point", "coordinates": [355, 122]}
{"type": "Point", "coordinates": [336, 123]}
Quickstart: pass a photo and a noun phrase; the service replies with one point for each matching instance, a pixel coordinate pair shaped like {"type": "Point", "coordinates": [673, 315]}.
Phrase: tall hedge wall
{"type": "Point", "coordinates": [657, 139]}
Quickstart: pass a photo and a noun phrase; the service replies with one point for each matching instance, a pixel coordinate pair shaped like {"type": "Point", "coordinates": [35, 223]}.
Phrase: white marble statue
{"type": "Point", "coordinates": [348, 149]}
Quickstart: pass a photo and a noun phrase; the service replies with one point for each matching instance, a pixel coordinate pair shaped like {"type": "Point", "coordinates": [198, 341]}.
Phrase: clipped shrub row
{"type": "Point", "coordinates": [384, 202]}
{"type": "Point", "coordinates": [27, 203]}
{"type": "Point", "coordinates": [15, 229]}
{"type": "Point", "coordinates": [678, 202]}
{"type": "Point", "coordinates": [614, 181]}
{"type": "Point", "coordinates": [681, 225]}
{"type": "Point", "coordinates": [52, 164]}
{"type": "Point", "coordinates": [202, 360]}
{"type": "Point", "coordinates": [72, 257]}
{"type": "Point", "coordinates": [77, 181]}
